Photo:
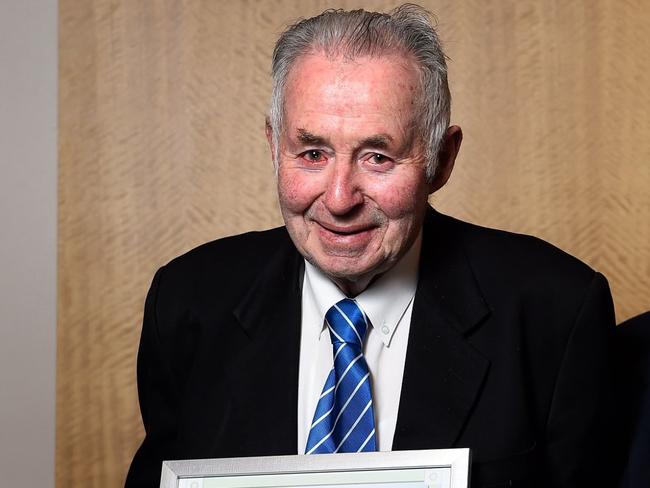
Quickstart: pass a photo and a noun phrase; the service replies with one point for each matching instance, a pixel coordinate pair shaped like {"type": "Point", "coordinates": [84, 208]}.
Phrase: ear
{"type": "Point", "coordinates": [269, 137]}
{"type": "Point", "coordinates": [447, 157]}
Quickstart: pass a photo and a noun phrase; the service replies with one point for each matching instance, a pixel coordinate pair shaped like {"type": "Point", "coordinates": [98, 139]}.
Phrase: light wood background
{"type": "Point", "coordinates": [162, 106]}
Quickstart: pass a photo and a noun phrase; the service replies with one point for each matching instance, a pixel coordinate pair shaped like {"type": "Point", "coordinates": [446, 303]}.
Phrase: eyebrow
{"type": "Point", "coordinates": [306, 137]}
{"type": "Point", "coordinates": [379, 141]}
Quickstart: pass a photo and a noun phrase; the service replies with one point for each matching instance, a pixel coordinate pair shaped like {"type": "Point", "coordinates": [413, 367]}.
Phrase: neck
{"type": "Point", "coordinates": [353, 288]}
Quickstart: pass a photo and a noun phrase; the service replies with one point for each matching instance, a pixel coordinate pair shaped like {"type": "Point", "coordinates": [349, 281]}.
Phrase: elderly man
{"type": "Point", "coordinates": [372, 322]}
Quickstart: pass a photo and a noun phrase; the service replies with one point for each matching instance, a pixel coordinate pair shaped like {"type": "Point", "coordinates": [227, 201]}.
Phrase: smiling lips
{"type": "Point", "coordinates": [345, 230]}
{"type": "Point", "coordinates": [342, 238]}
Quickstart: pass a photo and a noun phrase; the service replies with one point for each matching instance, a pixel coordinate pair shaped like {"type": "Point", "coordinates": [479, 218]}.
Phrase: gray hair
{"type": "Point", "coordinates": [407, 30]}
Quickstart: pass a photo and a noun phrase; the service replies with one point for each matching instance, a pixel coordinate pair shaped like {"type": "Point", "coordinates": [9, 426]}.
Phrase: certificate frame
{"type": "Point", "coordinates": [434, 468]}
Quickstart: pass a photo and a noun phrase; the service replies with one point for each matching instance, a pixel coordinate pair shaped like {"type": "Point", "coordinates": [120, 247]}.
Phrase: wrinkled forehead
{"type": "Point", "coordinates": [388, 84]}
{"type": "Point", "coordinates": [341, 56]}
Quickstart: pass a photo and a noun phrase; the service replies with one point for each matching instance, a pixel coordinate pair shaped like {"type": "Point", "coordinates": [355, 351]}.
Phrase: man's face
{"type": "Point", "coordinates": [351, 175]}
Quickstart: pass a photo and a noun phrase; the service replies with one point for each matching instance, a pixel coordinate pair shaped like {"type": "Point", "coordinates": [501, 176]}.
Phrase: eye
{"type": "Point", "coordinates": [378, 162]}
{"type": "Point", "coordinates": [377, 158]}
{"type": "Point", "coordinates": [313, 156]}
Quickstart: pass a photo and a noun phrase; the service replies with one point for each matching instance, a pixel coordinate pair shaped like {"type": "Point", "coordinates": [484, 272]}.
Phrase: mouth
{"type": "Point", "coordinates": [345, 230]}
{"type": "Point", "coordinates": [345, 240]}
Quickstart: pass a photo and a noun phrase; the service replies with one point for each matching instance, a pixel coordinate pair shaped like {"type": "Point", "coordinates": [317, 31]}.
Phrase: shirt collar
{"type": "Point", "coordinates": [384, 302]}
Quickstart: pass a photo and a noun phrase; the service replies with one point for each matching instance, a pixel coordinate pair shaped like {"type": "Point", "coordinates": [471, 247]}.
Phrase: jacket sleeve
{"type": "Point", "coordinates": [579, 449]}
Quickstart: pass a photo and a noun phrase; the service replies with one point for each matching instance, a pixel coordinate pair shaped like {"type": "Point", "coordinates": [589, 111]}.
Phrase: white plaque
{"type": "Point", "coordinates": [438, 468]}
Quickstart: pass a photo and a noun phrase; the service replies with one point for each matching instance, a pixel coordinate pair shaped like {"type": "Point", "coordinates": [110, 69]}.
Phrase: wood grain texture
{"type": "Point", "coordinates": [161, 147]}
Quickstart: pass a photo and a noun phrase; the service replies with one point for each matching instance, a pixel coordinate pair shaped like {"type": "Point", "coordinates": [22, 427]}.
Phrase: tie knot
{"type": "Point", "coordinates": [346, 322]}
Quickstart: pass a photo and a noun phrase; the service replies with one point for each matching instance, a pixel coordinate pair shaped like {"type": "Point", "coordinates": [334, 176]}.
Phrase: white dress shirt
{"type": "Point", "coordinates": [388, 303]}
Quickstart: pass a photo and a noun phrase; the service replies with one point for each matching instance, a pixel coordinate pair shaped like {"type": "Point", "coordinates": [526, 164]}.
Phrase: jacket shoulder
{"type": "Point", "coordinates": [519, 257]}
{"type": "Point", "coordinates": [238, 252]}
{"type": "Point", "coordinates": [225, 267]}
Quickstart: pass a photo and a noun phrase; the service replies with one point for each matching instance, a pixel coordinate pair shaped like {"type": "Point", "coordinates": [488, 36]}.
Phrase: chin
{"type": "Point", "coordinates": [347, 268]}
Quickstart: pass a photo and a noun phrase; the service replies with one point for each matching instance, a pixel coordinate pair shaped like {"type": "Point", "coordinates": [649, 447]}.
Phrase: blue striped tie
{"type": "Point", "coordinates": [344, 420]}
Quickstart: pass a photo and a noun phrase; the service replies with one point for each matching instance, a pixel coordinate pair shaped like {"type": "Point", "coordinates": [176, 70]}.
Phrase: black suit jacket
{"type": "Point", "coordinates": [508, 354]}
{"type": "Point", "coordinates": [632, 374]}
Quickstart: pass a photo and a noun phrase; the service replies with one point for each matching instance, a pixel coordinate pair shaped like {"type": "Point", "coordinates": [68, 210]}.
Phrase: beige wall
{"type": "Point", "coordinates": [28, 81]}
{"type": "Point", "coordinates": [162, 148]}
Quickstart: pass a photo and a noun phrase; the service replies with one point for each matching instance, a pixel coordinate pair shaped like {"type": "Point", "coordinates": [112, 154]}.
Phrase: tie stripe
{"type": "Point", "coordinates": [350, 323]}
{"type": "Point", "coordinates": [344, 418]}
{"type": "Point", "coordinates": [368, 405]}
{"type": "Point", "coordinates": [333, 332]}
{"type": "Point", "coordinates": [370, 437]}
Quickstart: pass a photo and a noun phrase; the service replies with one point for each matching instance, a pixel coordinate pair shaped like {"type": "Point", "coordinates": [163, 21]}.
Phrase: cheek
{"type": "Point", "coordinates": [400, 201]}
{"type": "Point", "coordinates": [296, 192]}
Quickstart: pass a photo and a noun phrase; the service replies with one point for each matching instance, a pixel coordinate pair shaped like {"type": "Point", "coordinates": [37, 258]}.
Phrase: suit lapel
{"type": "Point", "coordinates": [443, 373]}
{"type": "Point", "coordinates": [268, 370]}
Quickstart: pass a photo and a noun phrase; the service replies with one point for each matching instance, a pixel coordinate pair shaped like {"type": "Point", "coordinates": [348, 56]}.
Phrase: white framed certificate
{"type": "Point", "coordinates": [437, 468]}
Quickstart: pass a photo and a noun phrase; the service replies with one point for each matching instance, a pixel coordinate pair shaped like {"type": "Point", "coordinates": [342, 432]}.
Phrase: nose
{"type": "Point", "coordinates": [343, 193]}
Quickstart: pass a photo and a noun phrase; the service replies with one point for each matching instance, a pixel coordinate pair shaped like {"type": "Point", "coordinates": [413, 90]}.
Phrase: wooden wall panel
{"type": "Point", "coordinates": [553, 102]}
{"type": "Point", "coordinates": [162, 108]}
